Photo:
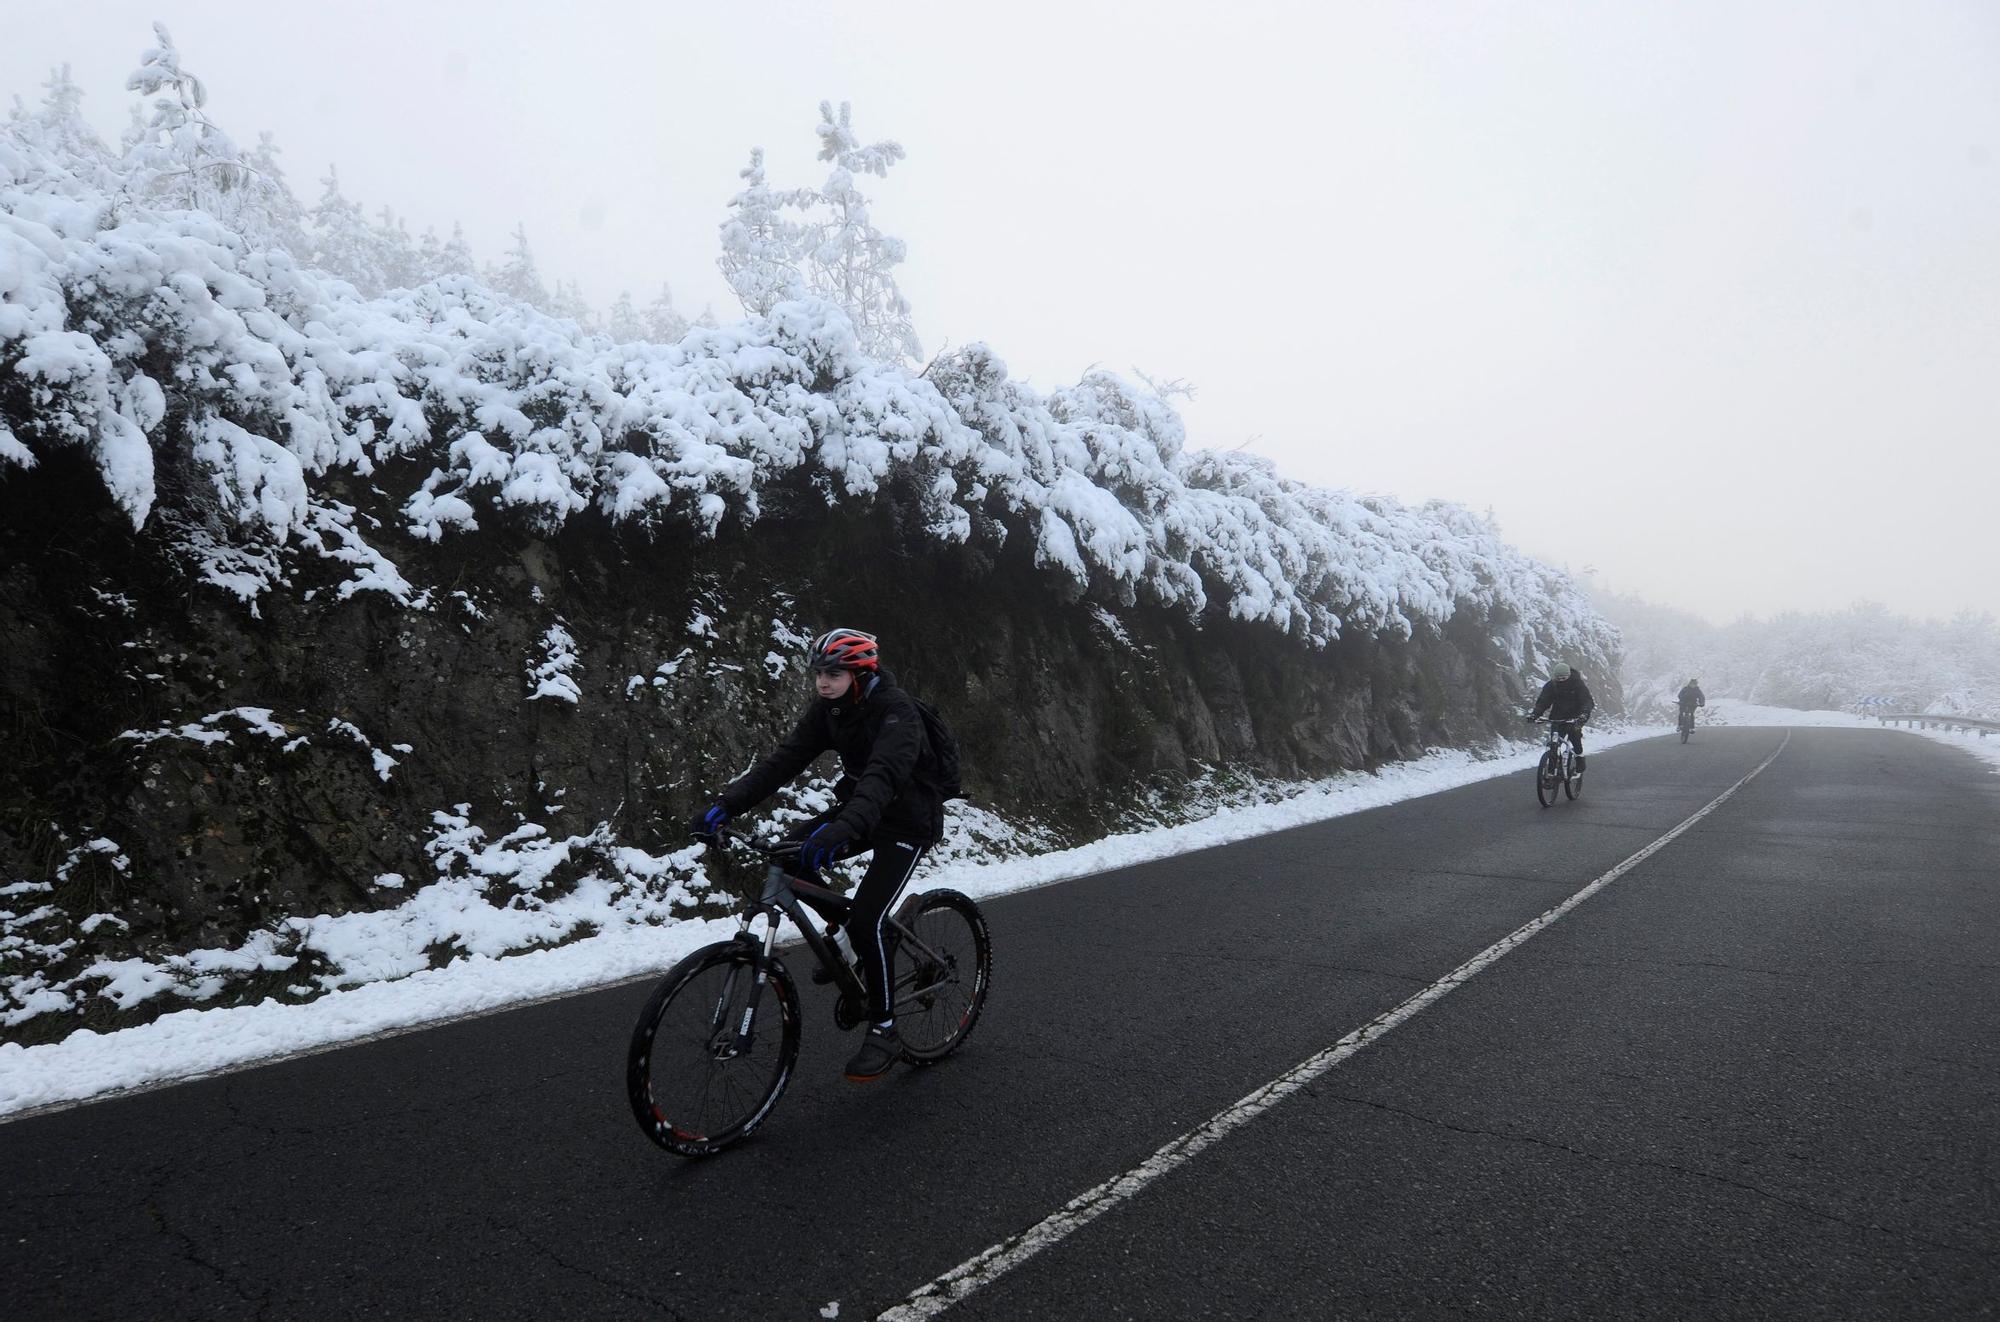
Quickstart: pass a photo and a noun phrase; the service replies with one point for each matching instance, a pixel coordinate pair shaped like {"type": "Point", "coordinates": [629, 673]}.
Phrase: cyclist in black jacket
{"type": "Point", "coordinates": [888, 801]}
{"type": "Point", "coordinates": [1566, 697]}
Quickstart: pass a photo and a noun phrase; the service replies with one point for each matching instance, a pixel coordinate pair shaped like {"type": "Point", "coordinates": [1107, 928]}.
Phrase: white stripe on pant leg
{"type": "Point", "coordinates": [881, 942]}
{"type": "Point", "coordinates": [1087, 1206]}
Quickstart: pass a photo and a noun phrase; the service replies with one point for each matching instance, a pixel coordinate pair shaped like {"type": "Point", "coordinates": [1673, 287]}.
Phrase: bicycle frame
{"type": "Point", "coordinates": [1557, 739]}
{"type": "Point", "coordinates": [783, 896]}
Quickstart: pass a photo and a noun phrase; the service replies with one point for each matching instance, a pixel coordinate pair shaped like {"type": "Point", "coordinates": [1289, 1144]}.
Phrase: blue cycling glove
{"type": "Point", "coordinates": [824, 846]}
{"type": "Point", "coordinates": [711, 821]}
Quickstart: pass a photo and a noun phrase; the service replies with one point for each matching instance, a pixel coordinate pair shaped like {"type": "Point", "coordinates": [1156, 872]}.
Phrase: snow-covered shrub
{"type": "Point", "coordinates": [152, 338]}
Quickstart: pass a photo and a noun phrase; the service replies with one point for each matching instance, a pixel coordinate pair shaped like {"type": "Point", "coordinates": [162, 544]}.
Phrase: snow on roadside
{"type": "Point", "coordinates": [191, 1043]}
{"type": "Point", "coordinates": [1728, 711]}
{"type": "Point", "coordinates": [1445, 769]}
{"type": "Point", "coordinates": [1986, 750]}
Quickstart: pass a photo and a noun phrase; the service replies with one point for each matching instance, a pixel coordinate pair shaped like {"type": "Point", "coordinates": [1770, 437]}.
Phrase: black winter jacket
{"type": "Point", "coordinates": [1692, 696]}
{"type": "Point", "coordinates": [890, 783]}
{"type": "Point", "coordinates": [1565, 699]}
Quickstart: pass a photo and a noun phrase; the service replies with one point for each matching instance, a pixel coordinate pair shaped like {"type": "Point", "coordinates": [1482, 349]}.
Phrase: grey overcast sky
{"type": "Point", "coordinates": [1702, 296]}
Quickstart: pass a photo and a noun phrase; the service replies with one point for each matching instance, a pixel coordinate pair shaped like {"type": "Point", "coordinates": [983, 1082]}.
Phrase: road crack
{"type": "Point", "coordinates": [189, 1251]}
{"type": "Point", "coordinates": [622, 1289]}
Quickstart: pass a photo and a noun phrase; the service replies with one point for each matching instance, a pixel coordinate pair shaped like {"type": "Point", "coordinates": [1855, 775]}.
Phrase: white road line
{"type": "Point", "coordinates": [1086, 1207]}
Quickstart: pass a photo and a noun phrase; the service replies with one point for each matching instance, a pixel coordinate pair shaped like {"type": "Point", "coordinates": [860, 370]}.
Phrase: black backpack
{"type": "Point", "coordinates": [944, 747]}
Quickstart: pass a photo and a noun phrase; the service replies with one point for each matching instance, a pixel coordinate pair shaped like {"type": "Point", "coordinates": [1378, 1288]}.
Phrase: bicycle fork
{"type": "Point", "coordinates": [745, 1032]}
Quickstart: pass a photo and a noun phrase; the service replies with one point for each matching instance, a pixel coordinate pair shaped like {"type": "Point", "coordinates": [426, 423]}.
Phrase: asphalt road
{"type": "Point", "coordinates": [1759, 1075]}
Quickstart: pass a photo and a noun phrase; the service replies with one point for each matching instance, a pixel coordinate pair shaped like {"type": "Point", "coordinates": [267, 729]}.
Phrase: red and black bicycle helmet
{"type": "Point", "coordinates": [844, 649]}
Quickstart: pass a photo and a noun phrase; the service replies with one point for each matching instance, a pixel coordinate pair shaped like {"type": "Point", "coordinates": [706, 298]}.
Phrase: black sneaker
{"type": "Point", "coordinates": [1579, 764]}
{"type": "Point", "coordinates": [880, 1050]}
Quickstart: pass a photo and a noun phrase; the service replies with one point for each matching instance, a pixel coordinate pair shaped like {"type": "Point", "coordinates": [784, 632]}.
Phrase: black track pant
{"type": "Point", "coordinates": [893, 861]}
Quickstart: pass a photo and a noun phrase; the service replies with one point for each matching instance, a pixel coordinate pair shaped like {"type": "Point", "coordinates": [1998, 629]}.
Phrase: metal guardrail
{"type": "Point", "coordinates": [1964, 724]}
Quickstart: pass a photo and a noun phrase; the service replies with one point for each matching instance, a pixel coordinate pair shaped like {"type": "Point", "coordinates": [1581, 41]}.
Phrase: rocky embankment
{"type": "Point", "coordinates": [186, 772]}
{"type": "Point", "coordinates": [342, 637]}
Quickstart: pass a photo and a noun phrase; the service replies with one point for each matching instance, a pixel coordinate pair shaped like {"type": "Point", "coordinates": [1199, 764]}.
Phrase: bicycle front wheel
{"type": "Point", "coordinates": [943, 966]}
{"type": "Point", "coordinates": [1548, 775]}
{"type": "Point", "coordinates": [703, 1071]}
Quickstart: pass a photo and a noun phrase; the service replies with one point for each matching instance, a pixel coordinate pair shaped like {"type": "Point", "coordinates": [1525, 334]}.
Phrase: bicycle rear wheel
{"type": "Point", "coordinates": [695, 1083]}
{"type": "Point", "coordinates": [1548, 775]}
{"type": "Point", "coordinates": [942, 968]}
{"type": "Point", "coordinates": [1573, 781]}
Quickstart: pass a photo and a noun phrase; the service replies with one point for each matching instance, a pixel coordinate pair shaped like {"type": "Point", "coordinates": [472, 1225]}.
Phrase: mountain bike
{"type": "Point", "coordinates": [1686, 723]}
{"type": "Point", "coordinates": [1557, 769]}
{"type": "Point", "coordinates": [715, 1045]}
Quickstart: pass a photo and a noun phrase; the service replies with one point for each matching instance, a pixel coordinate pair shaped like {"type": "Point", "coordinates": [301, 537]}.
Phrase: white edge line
{"type": "Point", "coordinates": [962, 1280]}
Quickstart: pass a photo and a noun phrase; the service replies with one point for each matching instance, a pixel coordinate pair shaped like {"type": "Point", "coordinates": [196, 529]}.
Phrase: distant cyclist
{"type": "Point", "coordinates": [1691, 697]}
{"type": "Point", "coordinates": [1566, 698]}
{"type": "Point", "coordinates": [888, 801]}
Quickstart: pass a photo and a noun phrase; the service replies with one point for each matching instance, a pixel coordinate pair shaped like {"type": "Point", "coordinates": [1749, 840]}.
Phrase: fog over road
{"type": "Point", "coordinates": [1757, 1074]}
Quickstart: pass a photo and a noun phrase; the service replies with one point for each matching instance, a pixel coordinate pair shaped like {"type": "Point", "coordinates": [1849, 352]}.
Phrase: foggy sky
{"type": "Point", "coordinates": [1705, 298]}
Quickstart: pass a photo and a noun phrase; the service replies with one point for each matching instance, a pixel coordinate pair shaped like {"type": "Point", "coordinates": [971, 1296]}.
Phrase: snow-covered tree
{"type": "Point", "coordinates": [181, 159]}
{"type": "Point", "coordinates": [457, 255]}
{"type": "Point", "coordinates": [59, 123]}
{"type": "Point", "coordinates": [134, 134]}
{"type": "Point", "coordinates": [175, 155]}
{"type": "Point", "coordinates": [58, 137]}
{"type": "Point", "coordinates": [761, 248]}
{"type": "Point", "coordinates": [625, 325]}
{"type": "Point", "coordinates": [664, 322]}
{"type": "Point", "coordinates": [430, 253]}
{"type": "Point", "coordinates": [263, 208]}
{"type": "Point", "coordinates": [344, 243]}
{"type": "Point", "coordinates": [568, 301]}
{"type": "Point", "coordinates": [437, 258]}
{"type": "Point", "coordinates": [832, 249]}
{"type": "Point", "coordinates": [851, 262]}
{"type": "Point", "coordinates": [517, 276]}
{"type": "Point", "coordinates": [401, 266]}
